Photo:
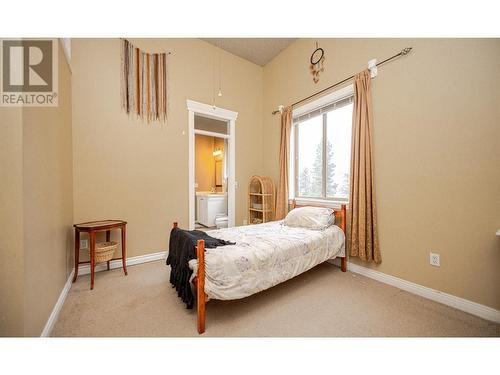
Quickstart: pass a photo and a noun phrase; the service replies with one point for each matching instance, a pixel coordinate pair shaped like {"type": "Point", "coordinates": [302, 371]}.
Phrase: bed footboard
{"type": "Point", "coordinates": [200, 286]}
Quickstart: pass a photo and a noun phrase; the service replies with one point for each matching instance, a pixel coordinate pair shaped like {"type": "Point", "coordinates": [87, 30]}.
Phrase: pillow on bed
{"type": "Point", "coordinates": [310, 217]}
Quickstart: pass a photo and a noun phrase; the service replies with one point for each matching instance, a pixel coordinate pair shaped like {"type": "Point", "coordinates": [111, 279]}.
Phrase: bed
{"type": "Point", "coordinates": [264, 255]}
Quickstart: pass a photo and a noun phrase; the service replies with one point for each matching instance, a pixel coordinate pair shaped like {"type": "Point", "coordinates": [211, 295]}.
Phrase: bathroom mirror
{"type": "Point", "coordinates": [218, 173]}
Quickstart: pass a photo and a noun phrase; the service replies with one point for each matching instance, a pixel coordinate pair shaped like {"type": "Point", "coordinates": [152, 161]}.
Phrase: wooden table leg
{"type": "Point", "coordinates": [124, 249]}
{"type": "Point", "coordinates": [77, 253]}
{"type": "Point", "coordinates": [92, 259]}
{"type": "Point", "coordinates": [108, 238]}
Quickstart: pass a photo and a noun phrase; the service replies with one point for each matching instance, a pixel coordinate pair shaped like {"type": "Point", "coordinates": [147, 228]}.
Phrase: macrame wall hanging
{"type": "Point", "coordinates": [317, 63]}
{"type": "Point", "coordinates": [144, 83]}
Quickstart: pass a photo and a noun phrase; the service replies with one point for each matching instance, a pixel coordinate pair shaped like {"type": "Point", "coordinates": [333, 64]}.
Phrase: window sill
{"type": "Point", "coordinates": [331, 203]}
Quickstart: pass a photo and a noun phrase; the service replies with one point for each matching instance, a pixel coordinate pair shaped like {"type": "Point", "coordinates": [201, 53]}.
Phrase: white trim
{"type": "Point", "coordinates": [343, 93]}
{"type": "Point", "coordinates": [470, 307]}
{"type": "Point", "coordinates": [231, 183]}
{"type": "Point", "coordinates": [191, 176]}
{"type": "Point", "coordinates": [337, 95]}
{"type": "Point", "coordinates": [320, 202]}
{"type": "Point", "coordinates": [57, 307]}
{"type": "Point", "coordinates": [462, 304]}
{"type": "Point", "coordinates": [219, 114]}
{"type": "Point", "coordinates": [211, 111]}
{"type": "Point", "coordinates": [84, 269]}
{"type": "Point", "coordinates": [211, 134]}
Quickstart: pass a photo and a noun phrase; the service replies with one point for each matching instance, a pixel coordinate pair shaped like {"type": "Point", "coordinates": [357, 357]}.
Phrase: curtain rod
{"type": "Point", "coordinates": [403, 52]}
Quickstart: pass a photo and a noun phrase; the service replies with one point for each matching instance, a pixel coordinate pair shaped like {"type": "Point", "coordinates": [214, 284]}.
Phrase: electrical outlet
{"type": "Point", "coordinates": [245, 222]}
{"type": "Point", "coordinates": [434, 259]}
{"type": "Point", "coordinates": [84, 244]}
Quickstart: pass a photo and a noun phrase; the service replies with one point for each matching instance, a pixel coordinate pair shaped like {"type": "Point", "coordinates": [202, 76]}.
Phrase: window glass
{"type": "Point", "coordinates": [338, 156]}
{"type": "Point", "coordinates": [322, 141]}
{"type": "Point", "coordinates": [310, 157]}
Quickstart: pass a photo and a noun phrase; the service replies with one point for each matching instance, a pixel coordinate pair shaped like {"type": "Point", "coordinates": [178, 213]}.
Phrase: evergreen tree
{"type": "Point", "coordinates": [331, 185]}
{"type": "Point", "coordinates": [344, 190]}
{"type": "Point", "coordinates": [305, 183]}
{"type": "Point", "coordinates": [317, 172]}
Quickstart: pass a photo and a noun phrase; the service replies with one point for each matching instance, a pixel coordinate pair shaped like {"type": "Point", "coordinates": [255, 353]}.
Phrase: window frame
{"type": "Point", "coordinates": [315, 105]}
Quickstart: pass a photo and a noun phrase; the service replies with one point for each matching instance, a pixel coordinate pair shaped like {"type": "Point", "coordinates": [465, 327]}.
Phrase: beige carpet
{"type": "Point", "coordinates": [321, 302]}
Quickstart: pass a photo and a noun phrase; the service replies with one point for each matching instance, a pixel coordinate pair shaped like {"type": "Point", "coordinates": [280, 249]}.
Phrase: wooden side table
{"type": "Point", "coordinates": [93, 227]}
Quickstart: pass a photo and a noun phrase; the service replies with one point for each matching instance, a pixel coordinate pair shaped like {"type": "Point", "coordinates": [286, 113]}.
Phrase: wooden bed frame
{"type": "Point", "coordinates": [199, 279]}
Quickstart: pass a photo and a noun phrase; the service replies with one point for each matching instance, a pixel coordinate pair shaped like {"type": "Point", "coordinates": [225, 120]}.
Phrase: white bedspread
{"type": "Point", "coordinates": [264, 255]}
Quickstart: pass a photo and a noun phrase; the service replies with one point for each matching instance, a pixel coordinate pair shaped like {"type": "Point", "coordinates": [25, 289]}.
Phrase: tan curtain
{"type": "Point", "coordinates": [362, 223]}
{"type": "Point", "coordinates": [282, 194]}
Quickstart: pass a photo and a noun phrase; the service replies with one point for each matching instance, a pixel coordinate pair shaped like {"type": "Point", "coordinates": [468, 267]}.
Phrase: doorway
{"type": "Point", "coordinates": [211, 193]}
{"type": "Point", "coordinates": [210, 177]}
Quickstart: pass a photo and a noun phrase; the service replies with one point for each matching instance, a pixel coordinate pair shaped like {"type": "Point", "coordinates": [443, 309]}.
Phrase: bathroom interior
{"type": "Point", "coordinates": [210, 178]}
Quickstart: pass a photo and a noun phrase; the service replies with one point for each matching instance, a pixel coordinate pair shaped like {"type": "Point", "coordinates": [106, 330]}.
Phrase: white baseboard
{"type": "Point", "coordinates": [470, 307]}
{"type": "Point", "coordinates": [57, 307]}
{"type": "Point", "coordinates": [84, 270]}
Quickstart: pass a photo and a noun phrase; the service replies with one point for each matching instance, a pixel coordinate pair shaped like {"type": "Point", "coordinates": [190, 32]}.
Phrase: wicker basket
{"type": "Point", "coordinates": [104, 251]}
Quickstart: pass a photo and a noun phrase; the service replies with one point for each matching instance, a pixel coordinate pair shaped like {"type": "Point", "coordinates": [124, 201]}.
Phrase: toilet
{"type": "Point", "coordinates": [221, 221]}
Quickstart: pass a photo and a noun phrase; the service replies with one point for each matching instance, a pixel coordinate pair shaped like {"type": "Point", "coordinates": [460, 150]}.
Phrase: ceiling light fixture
{"type": "Point", "coordinates": [220, 71]}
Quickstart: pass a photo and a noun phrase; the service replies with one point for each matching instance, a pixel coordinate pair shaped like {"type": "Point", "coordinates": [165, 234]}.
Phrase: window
{"type": "Point", "coordinates": [321, 147]}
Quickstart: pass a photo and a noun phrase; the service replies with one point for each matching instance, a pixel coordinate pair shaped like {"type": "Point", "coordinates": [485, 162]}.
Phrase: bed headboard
{"type": "Point", "coordinates": [340, 214]}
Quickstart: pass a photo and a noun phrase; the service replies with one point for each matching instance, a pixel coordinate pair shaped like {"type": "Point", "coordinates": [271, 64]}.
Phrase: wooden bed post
{"type": "Point", "coordinates": [343, 215]}
{"type": "Point", "coordinates": [200, 285]}
{"type": "Point", "coordinates": [199, 282]}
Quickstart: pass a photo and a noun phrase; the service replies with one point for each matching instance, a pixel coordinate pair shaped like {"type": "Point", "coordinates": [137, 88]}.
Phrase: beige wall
{"type": "Point", "coordinates": [48, 203]}
{"type": "Point", "coordinates": [11, 222]}
{"type": "Point", "coordinates": [37, 210]}
{"type": "Point", "coordinates": [437, 152]}
{"type": "Point", "coordinates": [437, 137]}
{"type": "Point", "coordinates": [204, 162]}
{"type": "Point", "coordinates": [129, 169]}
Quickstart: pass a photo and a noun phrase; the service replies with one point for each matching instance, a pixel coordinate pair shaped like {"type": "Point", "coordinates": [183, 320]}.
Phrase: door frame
{"type": "Point", "coordinates": [205, 110]}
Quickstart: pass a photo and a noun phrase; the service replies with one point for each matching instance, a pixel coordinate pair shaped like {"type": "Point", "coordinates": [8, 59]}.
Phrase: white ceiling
{"type": "Point", "coordinates": [257, 50]}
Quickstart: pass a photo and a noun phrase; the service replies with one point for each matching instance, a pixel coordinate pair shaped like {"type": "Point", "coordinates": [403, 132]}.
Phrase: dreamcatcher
{"type": "Point", "coordinates": [317, 63]}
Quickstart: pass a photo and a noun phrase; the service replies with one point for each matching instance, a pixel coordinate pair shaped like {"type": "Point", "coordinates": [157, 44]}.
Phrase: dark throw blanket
{"type": "Point", "coordinates": [181, 249]}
